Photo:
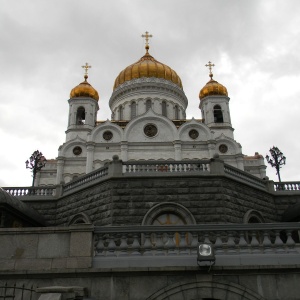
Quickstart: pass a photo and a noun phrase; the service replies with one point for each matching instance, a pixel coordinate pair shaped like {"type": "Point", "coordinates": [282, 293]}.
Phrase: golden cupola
{"type": "Point", "coordinates": [212, 87]}
{"type": "Point", "coordinates": [147, 66]}
{"type": "Point", "coordinates": [84, 89]}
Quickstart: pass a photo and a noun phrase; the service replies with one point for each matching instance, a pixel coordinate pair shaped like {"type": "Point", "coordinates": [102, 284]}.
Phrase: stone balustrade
{"type": "Point", "coordinates": [241, 175]}
{"type": "Point", "coordinates": [172, 241]}
{"type": "Point", "coordinates": [31, 191]}
{"type": "Point", "coordinates": [88, 178]}
{"type": "Point", "coordinates": [287, 186]}
{"type": "Point", "coordinates": [140, 168]}
{"type": "Point", "coordinates": [117, 168]}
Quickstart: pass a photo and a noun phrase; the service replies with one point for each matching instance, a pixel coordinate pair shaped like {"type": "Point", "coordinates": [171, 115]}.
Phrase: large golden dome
{"type": "Point", "coordinates": [213, 88]}
{"type": "Point", "coordinates": [84, 89]}
{"type": "Point", "coordinates": [147, 66]}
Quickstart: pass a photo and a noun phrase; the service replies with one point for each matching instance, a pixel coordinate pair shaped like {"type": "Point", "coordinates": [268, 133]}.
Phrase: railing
{"type": "Point", "coordinates": [287, 186]}
{"type": "Point", "coordinates": [234, 172]}
{"type": "Point", "coordinates": [117, 168]}
{"type": "Point", "coordinates": [12, 292]}
{"type": "Point", "coordinates": [90, 177]}
{"type": "Point", "coordinates": [183, 240]}
{"type": "Point", "coordinates": [31, 191]}
{"type": "Point", "coordinates": [166, 167]}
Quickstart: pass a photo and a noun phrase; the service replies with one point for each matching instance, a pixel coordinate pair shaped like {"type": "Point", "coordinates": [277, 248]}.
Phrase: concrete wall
{"type": "Point", "coordinates": [173, 284]}
{"type": "Point", "coordinates": [52, 257]}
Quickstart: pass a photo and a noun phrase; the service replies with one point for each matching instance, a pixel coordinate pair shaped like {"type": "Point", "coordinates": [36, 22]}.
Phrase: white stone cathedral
{"type": "Point", "coordinates": [148, 122]}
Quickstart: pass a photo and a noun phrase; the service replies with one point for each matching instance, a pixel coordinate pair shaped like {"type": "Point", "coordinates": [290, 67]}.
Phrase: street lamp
{"type": "Point", "coordinates": [206, 253]}
{"type": "Point", "coordinates": [277, 161]}
{"type": "Point", "coordinates": [36, 162]}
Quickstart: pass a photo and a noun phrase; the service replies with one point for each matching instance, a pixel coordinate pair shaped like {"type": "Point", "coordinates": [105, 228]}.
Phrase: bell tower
{"type": "Point", "coordinates": [214, 106]}
{"type": "Point", "coordinates": [83, 107]}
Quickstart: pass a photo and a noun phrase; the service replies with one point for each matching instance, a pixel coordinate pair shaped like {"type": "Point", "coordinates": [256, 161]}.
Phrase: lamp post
{"type": "Point", "coordinates": [277, 161]}
{"type": "Point", "coordinates": [36, 162]}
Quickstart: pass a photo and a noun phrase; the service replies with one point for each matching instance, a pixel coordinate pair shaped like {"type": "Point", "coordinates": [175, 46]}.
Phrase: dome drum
{"type": "Point", "coordinates": [151, 87]}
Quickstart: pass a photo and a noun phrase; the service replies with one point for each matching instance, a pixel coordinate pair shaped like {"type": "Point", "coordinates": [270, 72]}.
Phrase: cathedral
{"type": "Point", "coordinates": [148, 122]}
{"type": "Point", "coordinates": [150, 205]}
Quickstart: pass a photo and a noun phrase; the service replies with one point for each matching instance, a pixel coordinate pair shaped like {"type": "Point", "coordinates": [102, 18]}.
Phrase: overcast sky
{"type": "Point", "coordinates": [255, 46]}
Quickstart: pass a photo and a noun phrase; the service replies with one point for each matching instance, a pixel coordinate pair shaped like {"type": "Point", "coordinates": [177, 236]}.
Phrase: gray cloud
{"type": "Point", "coordinates": [254, 45]}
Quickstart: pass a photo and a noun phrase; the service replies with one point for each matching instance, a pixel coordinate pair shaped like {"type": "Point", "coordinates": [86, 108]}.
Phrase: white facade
{"type": "Point", "coordinates": [148, 123]}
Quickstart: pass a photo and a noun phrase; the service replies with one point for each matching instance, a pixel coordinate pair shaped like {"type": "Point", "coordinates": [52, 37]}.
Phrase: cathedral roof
{"type": "Point", "coordinates": [84, 89]}
{"type": "Point", "coordinates": [213, 87]}
{"type": "Point", "coordinates": [147, 66]}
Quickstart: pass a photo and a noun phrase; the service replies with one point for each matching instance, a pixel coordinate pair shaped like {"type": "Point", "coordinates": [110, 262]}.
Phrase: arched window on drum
{"type": "Point", "coordinates": [148, 104]}
{"type": "Point", "coordinates": [120, 112]}
{"type": "Point", "coordinates": [176, 112]}
{"type": "Point", "coordinates": [133, 109]}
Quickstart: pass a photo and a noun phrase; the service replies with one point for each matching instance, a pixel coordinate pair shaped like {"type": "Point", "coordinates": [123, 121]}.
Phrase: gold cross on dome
{"type": "Point", "coordinates": [210, 65]}
{"type": "Point", "coordinates": [147, 36]}
{"type": "Point", "coordinates": [86, 67]}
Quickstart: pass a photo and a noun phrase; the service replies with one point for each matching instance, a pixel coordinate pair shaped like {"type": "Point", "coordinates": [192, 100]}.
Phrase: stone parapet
{"type": "Point", "coordinates": [49, 248]}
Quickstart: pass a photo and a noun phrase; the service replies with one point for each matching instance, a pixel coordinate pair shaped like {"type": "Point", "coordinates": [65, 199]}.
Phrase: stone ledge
{"type": "Point", "coordinates": [217, 270]}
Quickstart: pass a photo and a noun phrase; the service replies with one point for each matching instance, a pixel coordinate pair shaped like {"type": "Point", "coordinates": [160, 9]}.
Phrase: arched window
{"type": "Point", "coordinates": [133, 109]}
{"type": "Point", "coordinates": [252, 217]}
{"type": "Point", "coordinates": [218, 115]}
{"type": "Point", "coordinates": [169, 213]}
{"type": "Point", "coordinates": [120, 112]}
{"type": "Point", "coordinates": [168, 218]}
{"type": "Point", "coordinates": [148, 104]}
{"type": "Point", "coordinates": [176, 112]}
{"type": "Point", "coordinates": [80, 116]}
{"type": "Point", "coordinates": [164, 108]}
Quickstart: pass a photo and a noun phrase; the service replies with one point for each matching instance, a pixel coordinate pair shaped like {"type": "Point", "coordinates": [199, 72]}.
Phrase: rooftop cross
{"type": "Point", "coordinates": [210, 65]}
{"type": "Point", "coordinates": [147, 36]}
{"type": "Point", "coordinates": [86, 67]}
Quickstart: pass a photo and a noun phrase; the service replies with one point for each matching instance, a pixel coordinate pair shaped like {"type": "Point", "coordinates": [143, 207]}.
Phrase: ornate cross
{"type": "Point", "coordinates": [86, 67]}
{"type": "Point", "coordinates": [210, 65]}
{"type": "Point", "coordinates": [147, 36]}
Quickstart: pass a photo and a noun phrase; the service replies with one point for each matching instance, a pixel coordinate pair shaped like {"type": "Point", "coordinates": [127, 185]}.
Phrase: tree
{"type": "Point", "coordinates": [36, 162]}
{"type": "Point", "coordinates": [277, 161]}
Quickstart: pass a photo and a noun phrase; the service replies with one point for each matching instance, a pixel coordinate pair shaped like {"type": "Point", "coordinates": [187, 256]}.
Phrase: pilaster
{"type": "Point", "coordinates": [60, 169]}
{"type": "Point", "coordinates": [90, 149]}
{"type": "Point", "coordinates": [124, 151]}
{"type": "Point", "coordinates": [177, 148]}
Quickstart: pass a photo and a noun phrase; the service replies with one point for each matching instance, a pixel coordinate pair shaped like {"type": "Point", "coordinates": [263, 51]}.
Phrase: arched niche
{"type": "Point", "coordinates": [80, 218]}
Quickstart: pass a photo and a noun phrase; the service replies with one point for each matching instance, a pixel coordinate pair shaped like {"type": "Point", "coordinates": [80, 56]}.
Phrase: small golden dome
{"type": "Point", "coordinates": [84, 89]}
{"type": "Point", "coordinates": [147, 66]}
{"type": "Point", "coordinates": [213, 88]}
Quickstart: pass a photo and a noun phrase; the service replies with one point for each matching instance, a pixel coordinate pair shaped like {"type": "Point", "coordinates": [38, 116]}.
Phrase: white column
{"type": "Point", "coordinates": [177, 148]}
{"type": "Point", "coordinates": [124, 151]}
{"type": "Point", "coordinates": [60, 169]}
{"type": "Point", "coordinates": [89, 157]}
